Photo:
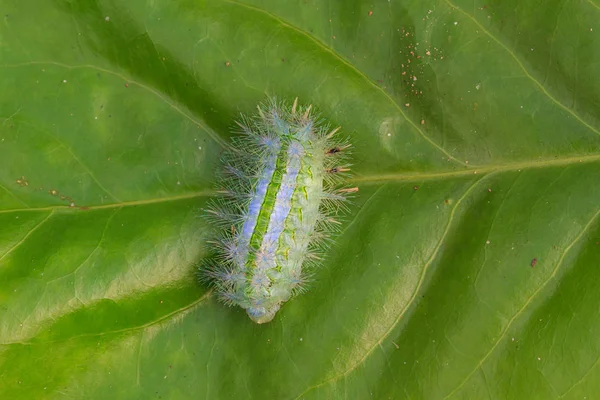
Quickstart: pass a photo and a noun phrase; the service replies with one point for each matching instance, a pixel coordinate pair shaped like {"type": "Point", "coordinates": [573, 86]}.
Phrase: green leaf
{"type": "Point", "coordinates": [466, 269]}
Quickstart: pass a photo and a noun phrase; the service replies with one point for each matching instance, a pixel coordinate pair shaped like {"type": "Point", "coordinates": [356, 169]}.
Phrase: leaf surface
{"type": "Point", "coordinates": [466, 268]}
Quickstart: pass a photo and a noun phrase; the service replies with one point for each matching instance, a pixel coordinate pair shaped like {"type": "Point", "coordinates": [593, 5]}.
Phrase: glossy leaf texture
{"type": "Point", "coordinates": [467, 267]}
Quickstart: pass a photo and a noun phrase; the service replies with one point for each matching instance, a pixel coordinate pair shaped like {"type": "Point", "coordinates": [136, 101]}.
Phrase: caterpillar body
{"type": "Point", "coordinates": [279, 189]}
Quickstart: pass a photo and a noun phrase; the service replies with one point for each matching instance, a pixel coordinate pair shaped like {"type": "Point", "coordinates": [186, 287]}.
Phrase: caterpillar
{"type": "Point", "coordinates": [279, 191]}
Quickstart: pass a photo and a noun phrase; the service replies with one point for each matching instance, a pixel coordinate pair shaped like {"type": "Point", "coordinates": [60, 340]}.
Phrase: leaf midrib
{"type": "Point", "coordinates": [358, 179]}
{"type": "Point", "coordinates": [134, 203]}
{"type": "Point", "coordinates": [541, 163]}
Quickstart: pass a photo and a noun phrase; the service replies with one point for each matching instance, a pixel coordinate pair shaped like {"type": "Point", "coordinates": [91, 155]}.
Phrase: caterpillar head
{"type": "Point", "coordinates": [261, 315]}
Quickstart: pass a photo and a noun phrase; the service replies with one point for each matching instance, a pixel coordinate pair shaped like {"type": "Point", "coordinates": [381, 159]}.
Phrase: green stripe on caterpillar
{"type": "Point", "coordinates": [279, 190]}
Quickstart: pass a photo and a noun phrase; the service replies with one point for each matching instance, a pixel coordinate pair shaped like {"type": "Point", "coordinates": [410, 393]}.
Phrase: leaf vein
{"type": "Point", "coordinates": [594, 4]}
{"type": "Point", "coordinates": [13, 195]}
{"type": "Point", "coordinates": [412, 299]}
{"type": "Point", "coordinates": [31, 231]}
{"type": "Point", "coordinates": [527, 302]}
{"type": "Point", "coordinates": [175, 106]}
{"type": "Point", "coordinates": [330, 50]}
{"type": "Point", "coordinates": [165, 317]}
{"type": "Point", "coordinates": [525, 71]}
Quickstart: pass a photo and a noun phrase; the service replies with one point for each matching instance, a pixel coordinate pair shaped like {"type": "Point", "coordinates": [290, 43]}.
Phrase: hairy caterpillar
{"type": "Point", "coordinates": [278, 190]}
